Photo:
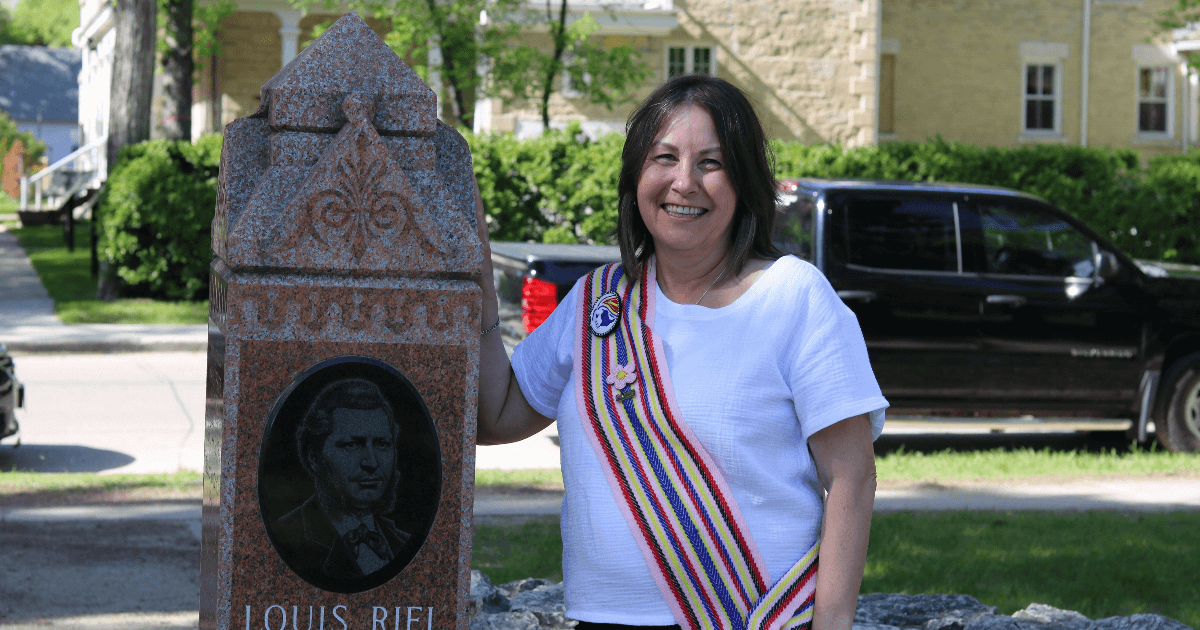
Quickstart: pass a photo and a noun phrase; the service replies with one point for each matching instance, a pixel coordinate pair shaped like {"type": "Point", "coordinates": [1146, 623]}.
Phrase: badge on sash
{"type": "Point", "coordinates": [606, 312]}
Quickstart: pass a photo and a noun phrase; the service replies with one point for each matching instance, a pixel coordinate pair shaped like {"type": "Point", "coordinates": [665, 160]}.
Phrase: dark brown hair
{"type": "Point", "coordinates": [745, 153]}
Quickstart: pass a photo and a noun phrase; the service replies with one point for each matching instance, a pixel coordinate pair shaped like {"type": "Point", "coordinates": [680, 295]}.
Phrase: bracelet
{"type": "Point", "coordinates": [493, 327]}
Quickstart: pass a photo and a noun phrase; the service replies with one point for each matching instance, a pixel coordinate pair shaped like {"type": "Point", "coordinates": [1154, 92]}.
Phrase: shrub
{"type": "Point", "coordinates": [155, 216]}
{"type": "Point", "coordinates": [560, 187]}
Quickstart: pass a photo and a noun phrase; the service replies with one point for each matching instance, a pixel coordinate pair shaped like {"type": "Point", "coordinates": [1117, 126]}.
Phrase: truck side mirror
{"type": "Point", "coordinates": [1107, 265]}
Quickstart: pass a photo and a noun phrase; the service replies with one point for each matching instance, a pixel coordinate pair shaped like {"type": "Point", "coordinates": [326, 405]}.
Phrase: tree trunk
{"type": "Point", "coordinates": [130, 92]}
{"type": "Point", "coordinates": [178, 67]}
{"type": "Point", "coordinates": [559, 34]}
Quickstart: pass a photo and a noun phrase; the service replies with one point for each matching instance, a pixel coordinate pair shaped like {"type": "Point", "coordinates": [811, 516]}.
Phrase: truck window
{"type": "Point", "coordinates": [911, 234]}
{"type": "Point", "coordinates": [1024, 239]}
{"type": "Point", "coordinates": [794, 225]}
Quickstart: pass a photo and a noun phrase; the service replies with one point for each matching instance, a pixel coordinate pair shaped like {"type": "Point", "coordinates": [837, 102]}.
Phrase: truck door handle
{"type": "Point", "coordinates": [1007, 300]}
{"type": "Point", "coordinates": [858, 296]}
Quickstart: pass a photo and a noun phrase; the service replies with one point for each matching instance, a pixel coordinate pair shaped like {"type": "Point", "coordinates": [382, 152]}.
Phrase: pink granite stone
{"type": "Point", "coordinates": [345, 239]}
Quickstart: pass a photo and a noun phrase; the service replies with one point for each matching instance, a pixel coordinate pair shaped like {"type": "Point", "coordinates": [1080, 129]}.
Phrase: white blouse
{"type": "Point", "coordinates": [754, 380]}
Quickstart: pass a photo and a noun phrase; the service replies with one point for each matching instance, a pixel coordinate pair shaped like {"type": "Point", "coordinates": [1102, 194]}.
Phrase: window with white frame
{"type": "Point", "coordinates": [691, 59]}
{"type": "Point", "coordinates": [1154, 99]}
{"type": "Point", "coordinates": [1043, 97]}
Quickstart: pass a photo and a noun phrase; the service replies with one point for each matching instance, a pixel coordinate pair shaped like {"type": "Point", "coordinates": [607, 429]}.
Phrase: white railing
{"type": "Point", "coordinates": [88, 161]}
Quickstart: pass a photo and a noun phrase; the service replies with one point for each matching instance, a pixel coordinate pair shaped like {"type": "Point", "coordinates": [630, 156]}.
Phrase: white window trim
{"type": "Point", "coordinates": [1169, 134]}
{"type": "Point", "coordinates": [1057, 62]}
{"type": "Point", "coordinates": [688, 57]}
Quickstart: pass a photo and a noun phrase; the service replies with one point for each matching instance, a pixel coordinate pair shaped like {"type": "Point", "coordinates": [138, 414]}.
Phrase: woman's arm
{"type": "Point", "coordinates": [504, 414]}
{"type": "Point", "coordinates": [845, 463]}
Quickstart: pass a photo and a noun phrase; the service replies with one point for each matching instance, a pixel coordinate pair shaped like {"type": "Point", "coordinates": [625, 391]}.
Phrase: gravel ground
{"type": "Point", "coordinates": [134, 575]}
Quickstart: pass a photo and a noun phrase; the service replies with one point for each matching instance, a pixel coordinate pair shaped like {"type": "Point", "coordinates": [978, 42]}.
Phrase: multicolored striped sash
{"type": "Point", "coordinates": [677, 504]}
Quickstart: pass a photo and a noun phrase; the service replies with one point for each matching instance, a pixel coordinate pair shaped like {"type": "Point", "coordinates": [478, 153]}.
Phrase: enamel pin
{"type": "Point", "coordinates": [606, 312]}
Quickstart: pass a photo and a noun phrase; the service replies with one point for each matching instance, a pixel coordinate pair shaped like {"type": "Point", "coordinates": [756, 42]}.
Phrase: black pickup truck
{"type": "Point", "coordinates": [985, 302]}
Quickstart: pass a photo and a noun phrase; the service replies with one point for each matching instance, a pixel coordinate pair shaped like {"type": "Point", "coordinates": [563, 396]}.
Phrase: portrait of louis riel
{"type": "Point", "coordinates": [353, 454]}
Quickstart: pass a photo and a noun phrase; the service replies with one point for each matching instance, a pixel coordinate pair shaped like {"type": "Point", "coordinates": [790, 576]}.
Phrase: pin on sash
{"type": "Point", "coordinates": [606, 312]}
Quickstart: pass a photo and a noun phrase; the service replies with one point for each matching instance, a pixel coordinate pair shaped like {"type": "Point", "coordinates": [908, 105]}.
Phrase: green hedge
{"type": "Point", "coordinates": [558, 188]}
{"type": "Point", "coordinates": [155, 216]}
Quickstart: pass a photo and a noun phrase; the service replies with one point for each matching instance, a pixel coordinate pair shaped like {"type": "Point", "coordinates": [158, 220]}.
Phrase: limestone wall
{"type": "Point", "coordinates": [809, 66]}
{"type": "Point", "coordinates": [959, 69]}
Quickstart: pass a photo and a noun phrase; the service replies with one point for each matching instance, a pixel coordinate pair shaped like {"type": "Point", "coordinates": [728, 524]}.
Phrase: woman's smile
{"type": "Point", "coordinates": [687, 212]}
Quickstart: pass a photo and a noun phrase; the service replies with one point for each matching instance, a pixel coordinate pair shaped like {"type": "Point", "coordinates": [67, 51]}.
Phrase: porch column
{"type": "Point", "coordinates": [289, 32]}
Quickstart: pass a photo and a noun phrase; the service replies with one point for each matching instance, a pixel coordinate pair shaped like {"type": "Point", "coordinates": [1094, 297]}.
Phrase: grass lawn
{"type": "Point", "coordinates": [973, 465]}
{"type": "Point", "coordinates": [1101, 564]}
{"type": "Point", "coordinates": [68, 279]}
{"type": "Point", "coordinates": [30, 488]}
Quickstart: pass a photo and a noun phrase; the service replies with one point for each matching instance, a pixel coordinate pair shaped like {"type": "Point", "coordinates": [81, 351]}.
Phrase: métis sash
{"type": "Point", "coordinates": [679, 507]}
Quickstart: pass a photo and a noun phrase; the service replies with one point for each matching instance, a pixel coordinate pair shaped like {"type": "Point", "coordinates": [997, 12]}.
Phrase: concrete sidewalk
{"type": "Point", "coordinates": [28, 322]}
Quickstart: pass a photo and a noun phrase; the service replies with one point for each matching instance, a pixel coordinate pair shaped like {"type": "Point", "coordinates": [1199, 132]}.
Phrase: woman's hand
{"type": "Point", "coordinates": [504, 414]}
{"type": "Point", "coordinates": [845, 463]}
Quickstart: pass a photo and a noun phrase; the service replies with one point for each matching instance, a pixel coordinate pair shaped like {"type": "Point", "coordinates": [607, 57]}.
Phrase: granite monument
{"type": "Point", "coordinates": [343, 353]}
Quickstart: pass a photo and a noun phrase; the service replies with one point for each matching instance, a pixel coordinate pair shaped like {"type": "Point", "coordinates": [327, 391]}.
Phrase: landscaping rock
{"type": "Point", "coordinates": [1066, 619]}
{"type": "Point", "coordinates": [535, 604]}
{"type": "Point", "coordinates": [1138, 622]}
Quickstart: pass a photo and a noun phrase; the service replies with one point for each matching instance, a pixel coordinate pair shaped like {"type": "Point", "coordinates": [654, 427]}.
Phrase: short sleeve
{"type": "Point", "coordinates": [830, 373]}
{"type": "Point", "coordinates": [542, 362]}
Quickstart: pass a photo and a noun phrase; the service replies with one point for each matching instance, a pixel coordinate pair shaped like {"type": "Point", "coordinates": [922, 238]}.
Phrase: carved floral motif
{"type": "Point", "coordinates": [360, 209]}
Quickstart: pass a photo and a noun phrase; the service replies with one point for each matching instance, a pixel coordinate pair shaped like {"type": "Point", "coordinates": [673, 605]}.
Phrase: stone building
{"type": "Point", "coordinates": [854, 72]}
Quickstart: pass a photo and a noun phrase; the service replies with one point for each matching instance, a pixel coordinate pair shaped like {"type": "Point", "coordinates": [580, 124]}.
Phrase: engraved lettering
{"type": "Point", "coordinates": [247, 618]}
{"type": "Point", "coordinates": [355, 321]}
{"type": "Point", "coordinates": [442, 321]}
{"type": "Point", "coordinates": [411, 619]}
{"type": "Point", "coordinates": [310, 618]}
{"type": "Point", "coordinates": [336, 616]}
{"type": "Point", "coordinates": [275, 312]}
{"type": "Point", "coordinates": [315, 312]}
{"type": "Point", "coordinates": [376, 620]}
{"type": "Point", "coordinates": [267, 617]}
{"type": "Point", "coordinates": [394, 317]}
{"type": "Point", "coordinates": [429, 621]}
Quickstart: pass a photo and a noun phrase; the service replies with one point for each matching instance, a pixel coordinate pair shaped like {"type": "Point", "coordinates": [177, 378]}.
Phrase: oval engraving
{"type": "Point", "coordinates": [349, 474]}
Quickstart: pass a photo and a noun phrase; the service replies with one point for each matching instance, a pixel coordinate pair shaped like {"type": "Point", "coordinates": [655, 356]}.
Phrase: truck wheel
{"type": "Point", "coordinates": [1179, 428]}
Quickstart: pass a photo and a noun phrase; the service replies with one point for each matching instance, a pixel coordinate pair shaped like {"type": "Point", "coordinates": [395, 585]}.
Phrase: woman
{"type": "Point", "coordinates": [708, 392]}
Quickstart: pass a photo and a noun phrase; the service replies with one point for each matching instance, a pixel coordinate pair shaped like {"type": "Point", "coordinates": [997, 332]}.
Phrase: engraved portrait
{"type": "Point", "coordinates": [349, 474]}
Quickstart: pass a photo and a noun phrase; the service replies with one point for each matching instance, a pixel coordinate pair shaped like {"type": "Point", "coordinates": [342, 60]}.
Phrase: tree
{"type": "Point", "coordinates": [130, 93]}
{"type": "Point", "coordinates": [132, 74]}
{"type": "Point", "coordinates": [602, 75]}
{"type": "Point", "coordinates": [177, 48]}
{"type": "Point", "coordinates": [452, 27]}
{"type": "Point", "coordinates": [1184, 14]}
{"type": "Point", "coordinates": [481, 46]}
{"type": "Point", "coordinates": [10, 134]}
{"type": "Point", "coordinates": [39, 23]}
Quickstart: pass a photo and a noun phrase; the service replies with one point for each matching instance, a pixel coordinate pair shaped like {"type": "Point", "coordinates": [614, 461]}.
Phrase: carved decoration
{"type": "Point", "coordinates": [357, 199]}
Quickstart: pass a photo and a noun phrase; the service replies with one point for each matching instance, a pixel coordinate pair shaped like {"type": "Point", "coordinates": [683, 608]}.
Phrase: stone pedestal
{"type": "Point", "coordinates": [343, 353]}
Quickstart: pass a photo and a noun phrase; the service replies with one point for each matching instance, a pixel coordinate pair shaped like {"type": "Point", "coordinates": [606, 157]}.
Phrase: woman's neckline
{"type": "Point", "coordinates": [701, 308]}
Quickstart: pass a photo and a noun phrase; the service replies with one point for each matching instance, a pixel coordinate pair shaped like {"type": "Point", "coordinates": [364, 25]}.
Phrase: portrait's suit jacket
{"type": "Point", "coordinates": [312, 547]}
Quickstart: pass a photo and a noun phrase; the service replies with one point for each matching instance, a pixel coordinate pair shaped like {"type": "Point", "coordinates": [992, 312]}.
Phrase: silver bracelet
{"type": "Point", "coordinates": [493, 327]}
